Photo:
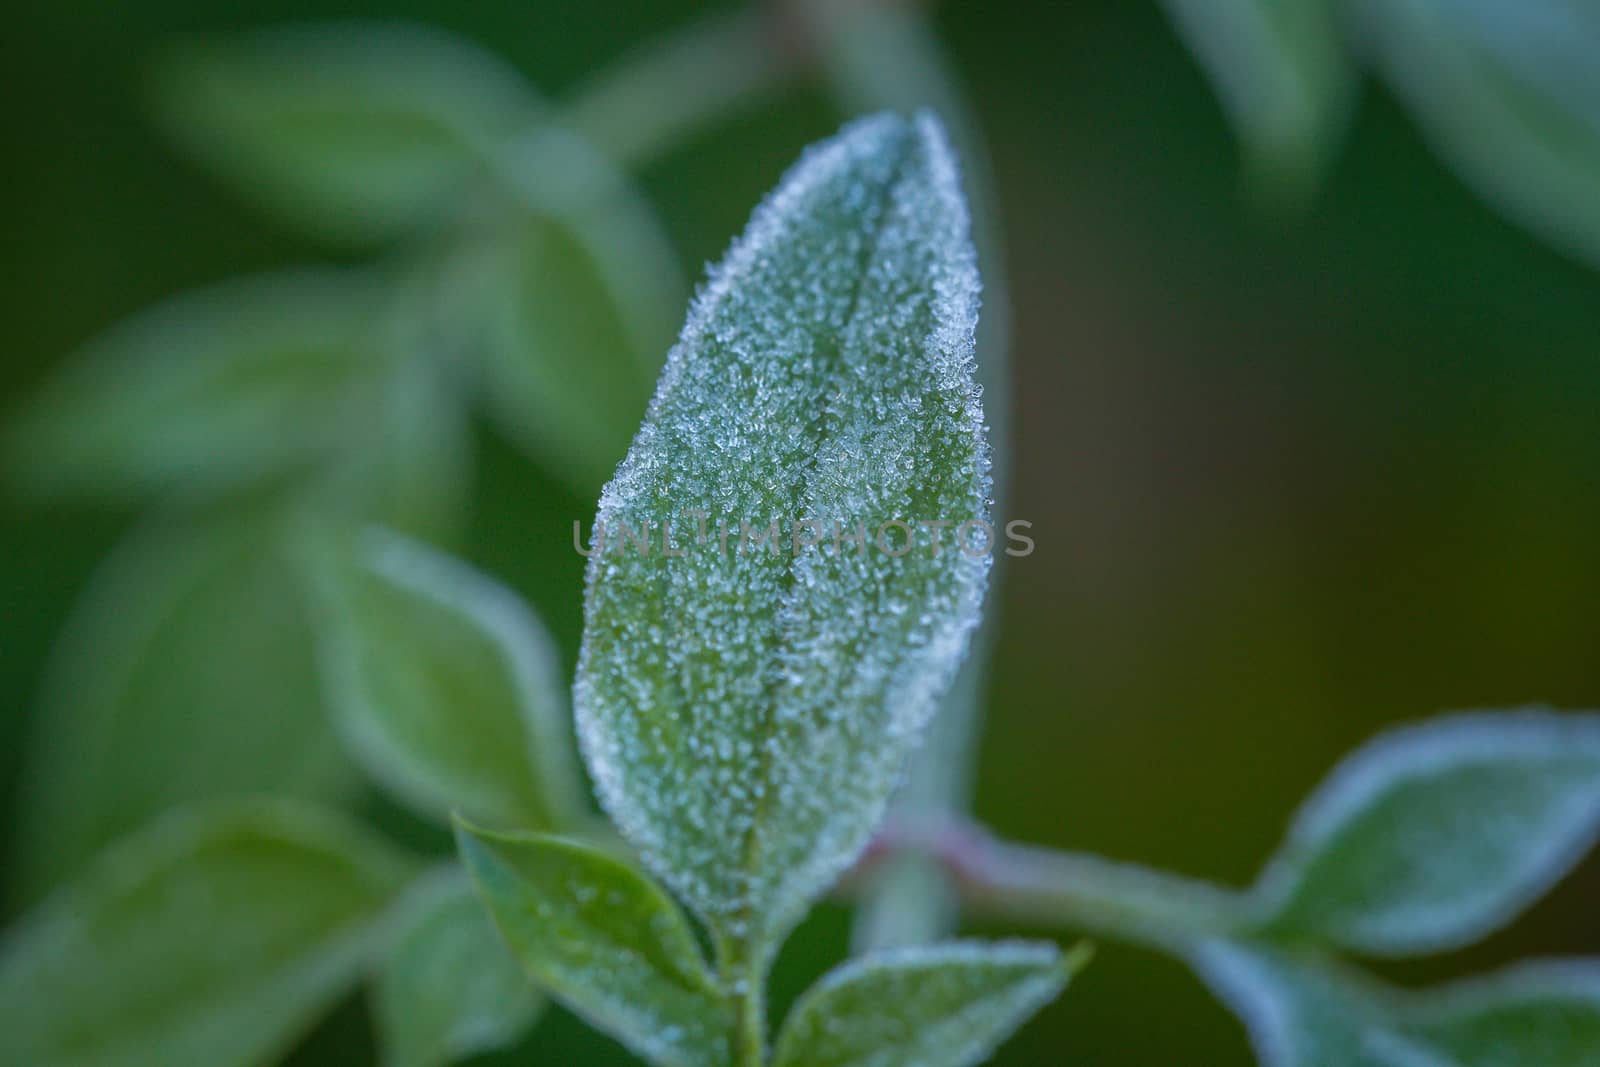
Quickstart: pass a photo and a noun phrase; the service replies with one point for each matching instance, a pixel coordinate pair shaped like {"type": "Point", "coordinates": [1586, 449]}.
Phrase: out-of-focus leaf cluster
{"type": "Point", "coordinates": [257, 635]}
{"type": "Point", "coordinates": [1507, 93]}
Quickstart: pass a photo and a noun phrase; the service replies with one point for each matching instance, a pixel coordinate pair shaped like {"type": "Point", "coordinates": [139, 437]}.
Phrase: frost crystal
{"type": "Point", "coordinates": [747, 709]}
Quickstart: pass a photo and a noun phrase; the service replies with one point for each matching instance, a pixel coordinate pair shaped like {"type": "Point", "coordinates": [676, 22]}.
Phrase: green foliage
{"type": "Point", "coordinates": [1506, 92]}
{"type": "Point", "coordinates": [1305, 1013]}
{"type": "Point", "coordinates": [824, 374]}
{"type": "Point", "coordinates": [946, 1005]}
{"type": "Point", "coordinates": [1430, 837]}
{"type": "Point", "coordinates": [1436, 835]}
{"type": "Point", "coordinates": [1280, 71]}
{"type": "Point", "coordinates": [447, 988]}
{"type": "Point", "coordinates": [444, 684]}
{"type": "Point", "coordinates": [186, 673]}
{"type": "Point", "coordinates": [1509, 95]}
{"type": "Point", "coordinates": [356, 132]}
{"type": "Point", "coordinates": [215, 936]}
{"type": "Point", "coordinates": [1545, 1013]}
{"type": "Point", "coordinates": [565, 346]}
{"type": "Point", "coordinates": [606, 941]}
{"type": "Point", "coordinates": [196, 392]}
{"type": "Point", "coordinates": [747, 708]}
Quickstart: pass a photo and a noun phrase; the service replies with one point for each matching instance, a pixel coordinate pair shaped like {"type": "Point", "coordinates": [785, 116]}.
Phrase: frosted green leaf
{"type": "Point", "coordinates": [1280, 70]}
{"type": "Point", "coordinates": [448, 988]}
{"type": "Point", "coordinates": [354, 131]}
{"type": "Point", "coordinates": [213, 938]}
{"type": "Point", "coordinates": [1301, 1014]}
{"type": "Point", "coordinates": [1544, 1014]}
{"type": "Point", "coordinates": [1509, 95]}
{"type": "Point", "coordinates": [746, 710]}
{"type": "Point", "coordinates": [1434, 835]}
{"type": "Point", "coordinates": [185, 672]}
{"type": "Point", "coordinates": [196, 392]}
{"type": "Point", "coordinates": [443, 683]}
{"type": "Point", "coordinates": [605, 941]}
{"type": "Point", "coordinates": [945, 1005]}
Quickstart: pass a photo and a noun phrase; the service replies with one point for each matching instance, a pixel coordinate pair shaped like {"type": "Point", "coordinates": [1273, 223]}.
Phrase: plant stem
{"type": "Point", "coordinates": [1028, 884]}
{"type": "Point", "coordinates": [751, 1042]}
{"type": "Point", "coordinates": [744, 980]}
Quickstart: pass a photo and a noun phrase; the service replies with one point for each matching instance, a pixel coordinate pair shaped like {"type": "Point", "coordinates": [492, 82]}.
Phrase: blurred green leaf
{"type": "Point", "coordinates": [747, 713]}
{"type": "Point", "coordinates": [353, 131]}
{"type": "Point", "coordinates": [210, 939]}
{"type": "Point", "coordinates": [1434, 835]}
{"type": "Point", "coordinates": [605, 941]}
{"type": "Point", "coordinates": [559, 371]}
{"type": "Point", "coordinates": [1301, 1013]}
{"type": "Point", "coordinates": [1280, 69]}
{"type": "Point", "coordinates": [945, 1005]}
{"type": "Point", "coordinates": [447, 988]}
{"type": "Point", "coordinates": [200, 391]}
{"type": "Point", "coordinates": [1307, 1013]}
{"type": "Point", "coordinates": [1544, 1014]}
{"type": "Point", "coordinates": [1509, 94]}
{"type": "Point", "coordinates": [444, 684]}
{"type": "Point", "coordinates": [185, 672]}
{"type": "Point", "coordinates": [569, 300]}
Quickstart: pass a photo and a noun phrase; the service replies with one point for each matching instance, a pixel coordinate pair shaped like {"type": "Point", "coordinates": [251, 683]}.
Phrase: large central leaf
{"type": "Point", "coordinates": [747, 707]}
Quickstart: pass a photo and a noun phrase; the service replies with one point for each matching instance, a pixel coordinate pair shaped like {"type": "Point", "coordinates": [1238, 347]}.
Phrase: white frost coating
{"type": "Point", "coordinates": [1450, 829]}
{"type": "Point", "coordinates": [747, 715]}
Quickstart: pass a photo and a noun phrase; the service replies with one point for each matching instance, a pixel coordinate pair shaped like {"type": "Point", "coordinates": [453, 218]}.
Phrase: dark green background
{"type": "Point", "coordinates": [1291, 478]}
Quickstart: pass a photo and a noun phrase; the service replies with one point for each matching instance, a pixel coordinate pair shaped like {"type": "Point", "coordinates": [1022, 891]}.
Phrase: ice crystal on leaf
{"type": "Point", "coordinates": [747, 708]}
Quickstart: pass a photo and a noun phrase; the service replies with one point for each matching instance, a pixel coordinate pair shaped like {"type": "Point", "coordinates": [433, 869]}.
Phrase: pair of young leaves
{"type": "Point", "coordinates": [1426, 840]}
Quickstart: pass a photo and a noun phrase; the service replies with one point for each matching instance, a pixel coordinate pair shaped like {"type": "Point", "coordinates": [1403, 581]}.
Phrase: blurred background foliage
{"type": "Point", "coordinates": [1303, 322]}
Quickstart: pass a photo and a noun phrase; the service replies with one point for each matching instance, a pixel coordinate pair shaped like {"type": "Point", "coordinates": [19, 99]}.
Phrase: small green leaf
{"type": "Point", "coordinates": [1508, 94]}
{"type": "Point", "coordinates": [605, 941]}
{"type": "Point", "coordinates": [1304, 1014]}
{"type": "Point", "coordinates": [1543, 1014]}
{"type": "Point", "coordinates": [448, 988]}
{"type": "Point", "coordinates": [444, 684]}
{"type": "Point", "coordinates": [1434, 835]}
{"type": "Point", "coordinates": [944, 1005]}
{"type": "Point", "coordinates": [196, 393]}
{"type": "Point", "coordinates": [185, 672]}
{"type": "Point", "coordinates": [1280, 70]}
{"type": "Point", "coordinates": [747, 709]}
{"type": "Point", "coordinates": [355, 131]}
{"type": "Point", "coordinates": [211, 939]}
